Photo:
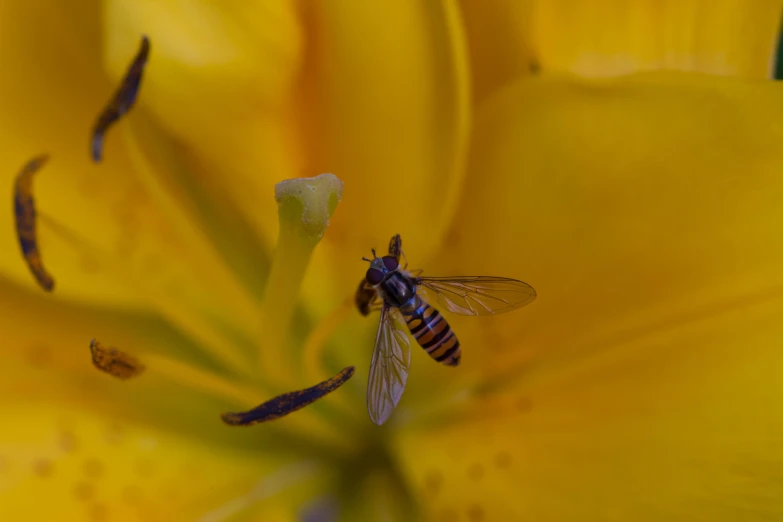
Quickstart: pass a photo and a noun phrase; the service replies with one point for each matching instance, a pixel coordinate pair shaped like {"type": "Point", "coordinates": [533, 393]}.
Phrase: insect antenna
{"type": "Point", "coordinates": [374, 256]}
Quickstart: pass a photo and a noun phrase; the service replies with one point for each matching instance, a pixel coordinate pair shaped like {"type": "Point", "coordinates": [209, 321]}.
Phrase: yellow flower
{"type": "Point", "coordinates": [641, 385]}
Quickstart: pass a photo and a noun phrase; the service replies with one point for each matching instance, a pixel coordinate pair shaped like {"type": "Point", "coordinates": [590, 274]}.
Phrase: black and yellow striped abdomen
{"type": "Point", "coordinates": [432, 331]}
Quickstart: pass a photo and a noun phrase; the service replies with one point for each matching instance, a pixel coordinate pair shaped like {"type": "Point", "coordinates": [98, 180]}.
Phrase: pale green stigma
{"type": "Point", "coordinates": [306, 204]}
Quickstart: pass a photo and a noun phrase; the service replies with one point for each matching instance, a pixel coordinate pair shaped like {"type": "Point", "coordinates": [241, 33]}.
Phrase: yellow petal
{"type": "Point", "coordinates": [220, 79]}
{"type": "Point", "coordinates": [204, 198]}
{"type": "Point", "coordinates": [500, 42]}
{"type": "Point", "coordinates": [621, 202]}
{"type": "Point", "coordinates": [613, 37]}
{"type": "Point", "coordinates": [103, 234]}
{"type": "Point", "coordinates": [47, 360]}
{"type": "Point", "coordinates": [92, 468]}
{"type": "Point", "coordinates": [678, 424]}
{"type": "Point", "coordinates": [389, 116]}
{"type": "Point", "coordinates": [110, 234]}
{"type": "Point", "coordinates": [190, 280]}
{"type": "Point", "coordinates": [102, 449]}
{"type": "Point", "coordinates": [48, 106]}
{"type": "Point", "coordinates": [640, 384]}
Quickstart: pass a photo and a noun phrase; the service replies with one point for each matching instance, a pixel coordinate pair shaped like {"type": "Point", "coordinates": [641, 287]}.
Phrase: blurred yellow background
{"type": "Point", "coordinates": [623, 157]}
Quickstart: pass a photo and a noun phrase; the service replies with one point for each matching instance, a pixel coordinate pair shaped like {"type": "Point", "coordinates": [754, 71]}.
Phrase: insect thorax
{"type": "Point", "coordinates": [397, 289]}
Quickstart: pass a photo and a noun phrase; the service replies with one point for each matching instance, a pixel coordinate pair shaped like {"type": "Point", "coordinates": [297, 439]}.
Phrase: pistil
{"type": "Point", "coordinates": [304, 208]}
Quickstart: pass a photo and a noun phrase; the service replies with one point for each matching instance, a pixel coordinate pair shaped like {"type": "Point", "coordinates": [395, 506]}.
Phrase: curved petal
{"type": "Point", "coordinates": [388, 115]}
{"type": "Point", "coordinates": [205, 201]}
{"type": "Point", "coordinates": [623, 203]}
{"type": "Point", "coordinates": [88, 469]}
{"type": "Point", "coordinates": [48, 103]}
{"type": "Point", "coordinates": [640, 383]}
{"type": "Point", "coordinates": [500, 42]}
{"type": "Point", "coordinates": [220, 80]}
{"type": "Point", "coordinates": [678, 424]}
{"type": "Point", "coordinates": [614, 37]}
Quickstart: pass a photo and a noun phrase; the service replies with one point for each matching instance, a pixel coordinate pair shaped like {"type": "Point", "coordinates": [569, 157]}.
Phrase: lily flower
{"type": "Point", "coordinates": [533, 140]}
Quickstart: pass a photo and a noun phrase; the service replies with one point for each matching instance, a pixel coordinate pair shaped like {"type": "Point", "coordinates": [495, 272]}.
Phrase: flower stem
{"type": "Point", "coordinates": [304, 208]}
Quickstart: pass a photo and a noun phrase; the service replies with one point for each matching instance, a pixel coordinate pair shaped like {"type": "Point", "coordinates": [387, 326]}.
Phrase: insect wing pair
{"type": "Point", "coordinates": [393, 291]}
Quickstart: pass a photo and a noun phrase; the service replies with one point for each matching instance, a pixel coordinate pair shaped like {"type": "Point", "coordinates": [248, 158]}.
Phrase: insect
{"type": "Point", "coordinates": [123, 99]}
{"type": "Point", "coordinates": [286, 403]}
{"type": "Point", "coordinates": [114, 362]}
{"type": "Point", "coordinates": [25, 215]}
{"type": "Point", "coordinates": [393, 291]}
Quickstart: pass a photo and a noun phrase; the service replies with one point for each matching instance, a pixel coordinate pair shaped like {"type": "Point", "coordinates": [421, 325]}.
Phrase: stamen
{"type": "Point", "coordinates": [115, 362]}
{"type": "Point", "coordinates": [304, 208]}
{"type": "Point", "coordinates": [123, 99]}
{"type": "Point", "coordinates": [286, 403]}
{"type": "Point", "coordinates": [24, 212]}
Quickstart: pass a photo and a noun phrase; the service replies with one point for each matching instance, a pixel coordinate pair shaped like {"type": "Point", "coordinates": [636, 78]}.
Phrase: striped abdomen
{"type": "Point", "coordinates": [431, 331]}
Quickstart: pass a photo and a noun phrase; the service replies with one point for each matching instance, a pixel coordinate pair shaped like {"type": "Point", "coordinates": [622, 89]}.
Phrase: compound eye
{"type": "Point", "coordinates": [374, 276]}
{"type": "Point", "coordinates": [390, 263]}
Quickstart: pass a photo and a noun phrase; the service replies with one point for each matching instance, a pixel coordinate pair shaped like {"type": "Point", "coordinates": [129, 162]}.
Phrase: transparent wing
{"type": "Point", "coordinates": [479, 295]}
{"type": "Point", "coordinates": [389, 367]}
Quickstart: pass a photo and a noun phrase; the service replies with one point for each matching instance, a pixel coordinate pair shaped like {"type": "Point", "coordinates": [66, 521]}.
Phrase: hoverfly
{"type": "Point", "coordinates": [394, 291]}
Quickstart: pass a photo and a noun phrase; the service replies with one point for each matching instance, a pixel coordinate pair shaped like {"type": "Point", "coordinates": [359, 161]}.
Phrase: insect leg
{"type": "Point", "coordinates": [402, 253]}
